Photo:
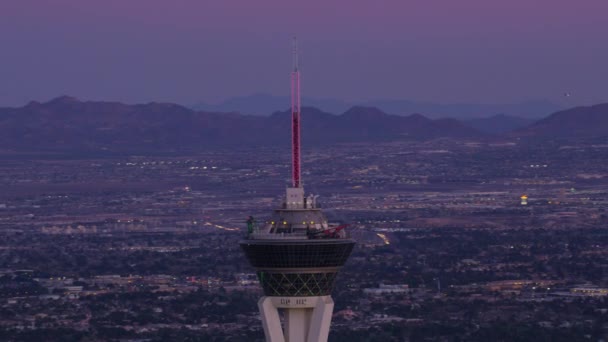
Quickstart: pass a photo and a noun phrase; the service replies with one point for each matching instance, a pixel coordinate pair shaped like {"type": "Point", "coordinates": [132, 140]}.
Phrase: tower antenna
{"type": "Point", "coordinates": [295, 119]}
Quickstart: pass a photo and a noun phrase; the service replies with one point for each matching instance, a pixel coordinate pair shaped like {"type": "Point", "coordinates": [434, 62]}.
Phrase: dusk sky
{"type": "Point", "coordinates": [190, 51]}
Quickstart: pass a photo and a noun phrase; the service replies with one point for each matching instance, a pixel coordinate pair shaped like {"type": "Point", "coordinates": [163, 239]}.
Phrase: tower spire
{"type": "Point", "coordinates": [295, 119]}
{"type": "Point", "coordinates": [295, 54]}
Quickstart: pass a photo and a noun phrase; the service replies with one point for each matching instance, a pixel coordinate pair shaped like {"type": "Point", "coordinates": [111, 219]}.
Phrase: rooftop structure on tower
{"type": "Point", "coordinates": [297, 254]}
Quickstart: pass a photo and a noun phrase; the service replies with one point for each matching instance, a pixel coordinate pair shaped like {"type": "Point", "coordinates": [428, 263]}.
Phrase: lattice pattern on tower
{"type": "Point", "coordinates": [297, 284]}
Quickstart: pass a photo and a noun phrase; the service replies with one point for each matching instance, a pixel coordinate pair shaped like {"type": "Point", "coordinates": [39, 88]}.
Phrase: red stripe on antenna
{"type": "Point", "coordinates": [295, 119]}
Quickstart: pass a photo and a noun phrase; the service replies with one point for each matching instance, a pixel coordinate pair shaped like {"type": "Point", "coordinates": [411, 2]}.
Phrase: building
{"type": "Point", "coordinates": [297, 255]}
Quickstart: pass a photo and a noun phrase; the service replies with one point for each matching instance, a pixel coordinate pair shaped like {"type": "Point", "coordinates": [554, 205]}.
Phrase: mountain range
{"type": "Point", "coordinates": [68, 124]}
{"type": "Point", "coordinates": [588, 121]}
{"type": "Point", "coordinates": [499, 124]}
{"type": "Point", "coordinates": [264, 104]}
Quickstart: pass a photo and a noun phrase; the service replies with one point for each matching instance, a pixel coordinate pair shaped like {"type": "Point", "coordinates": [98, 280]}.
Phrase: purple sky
{"type": "Point", "coordinates": [187, 51]}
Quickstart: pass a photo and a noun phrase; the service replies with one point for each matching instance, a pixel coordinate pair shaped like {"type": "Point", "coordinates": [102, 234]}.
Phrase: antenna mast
{"type": "Point", "coordinates": [295, 119]}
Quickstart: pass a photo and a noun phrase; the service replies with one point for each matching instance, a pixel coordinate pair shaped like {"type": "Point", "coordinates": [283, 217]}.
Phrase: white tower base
{"type": "Point", "coordinates": [307, 319]}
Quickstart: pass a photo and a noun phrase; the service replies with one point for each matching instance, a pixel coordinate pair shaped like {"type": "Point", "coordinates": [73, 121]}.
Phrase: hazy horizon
{"type": "Point", "coordinates": [472, 51]}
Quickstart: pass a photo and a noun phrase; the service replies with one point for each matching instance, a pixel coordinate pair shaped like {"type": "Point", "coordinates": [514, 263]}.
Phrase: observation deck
{"type": "Point", "coordinates": [297, 252]}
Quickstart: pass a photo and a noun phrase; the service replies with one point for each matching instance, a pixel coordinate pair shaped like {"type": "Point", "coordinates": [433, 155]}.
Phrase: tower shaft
{"type": "Point", "coordinates": [307, 319]}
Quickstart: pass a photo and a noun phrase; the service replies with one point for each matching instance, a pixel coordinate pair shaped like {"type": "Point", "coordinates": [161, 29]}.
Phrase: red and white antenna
{"type": "Point", "coordinates": [295, 119]}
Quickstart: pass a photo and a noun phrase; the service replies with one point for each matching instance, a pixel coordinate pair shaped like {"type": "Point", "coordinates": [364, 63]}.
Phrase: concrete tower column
{"type": "Point", "coordinates": [307, 319]}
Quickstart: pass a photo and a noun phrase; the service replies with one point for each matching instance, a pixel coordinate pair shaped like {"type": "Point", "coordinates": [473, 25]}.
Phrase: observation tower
{"type": "Point", "coordinates": [297, 254]}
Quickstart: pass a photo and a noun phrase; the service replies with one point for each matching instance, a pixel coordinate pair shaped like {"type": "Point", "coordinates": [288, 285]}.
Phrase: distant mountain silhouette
{"type": "Point", "coordinates": [67, 124]}
{"type": "Point", "coordinates": [371, 124]}
{"type": "Point", "coordinates": [589, 121]}
{"type": "Point", "coordinates": [264, 104]}
{"type": "Point", "coordinates": [528, 109]}
{"type": "Point", "coordinates": [498, 124]}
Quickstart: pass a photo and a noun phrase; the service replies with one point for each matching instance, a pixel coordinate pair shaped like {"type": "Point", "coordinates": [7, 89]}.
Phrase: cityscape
{"type": "Point", "coordinates": [313, 171]}
{"type": "Point", "coordinates": [147, 247]}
